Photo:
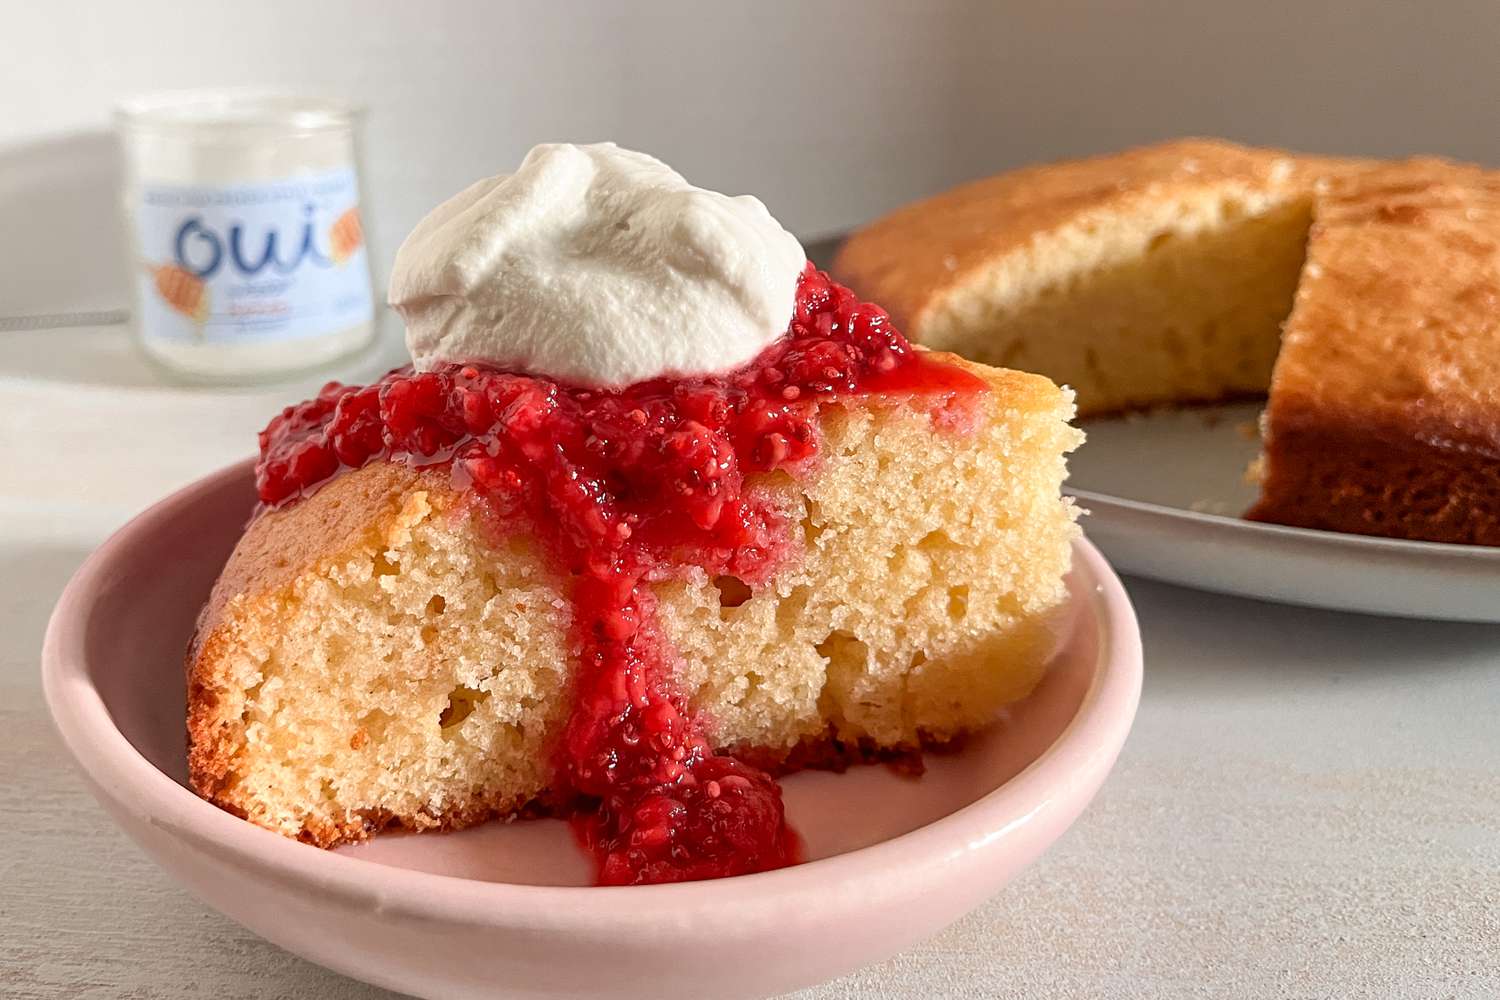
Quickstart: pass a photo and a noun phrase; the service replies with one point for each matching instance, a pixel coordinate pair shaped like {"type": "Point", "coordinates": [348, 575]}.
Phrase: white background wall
{"type": "Point", "coordinates": [831, 110]}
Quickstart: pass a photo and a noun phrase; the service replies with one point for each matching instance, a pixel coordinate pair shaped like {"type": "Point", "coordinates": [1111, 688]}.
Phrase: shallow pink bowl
{"type": "Point", "coordinates": [500, 908]}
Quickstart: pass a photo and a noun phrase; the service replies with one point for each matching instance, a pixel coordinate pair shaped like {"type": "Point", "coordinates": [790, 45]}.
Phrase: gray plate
{"type": "Point", "coordinates": [1163, 491]}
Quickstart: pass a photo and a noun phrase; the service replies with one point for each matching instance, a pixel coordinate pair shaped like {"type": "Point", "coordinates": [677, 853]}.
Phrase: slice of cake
{"type": "Point", "coordinates": [1164, 275]}
{"type": "Point", "coordinates": [477, 589]}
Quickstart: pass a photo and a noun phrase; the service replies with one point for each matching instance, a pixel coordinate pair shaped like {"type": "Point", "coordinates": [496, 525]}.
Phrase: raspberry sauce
{"type": "Point", "coordinates": [624, 488]}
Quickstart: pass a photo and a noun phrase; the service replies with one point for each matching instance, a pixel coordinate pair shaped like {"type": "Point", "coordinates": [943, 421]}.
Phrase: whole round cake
{"type": "Point", "coordinates": [1358, 296]}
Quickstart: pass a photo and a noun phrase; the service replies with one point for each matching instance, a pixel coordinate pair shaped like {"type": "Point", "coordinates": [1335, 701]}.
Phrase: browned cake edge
{"type": "Point", "coordinates": [823, 753]}
{"type": "Point", "coordinates": [1337, 480]}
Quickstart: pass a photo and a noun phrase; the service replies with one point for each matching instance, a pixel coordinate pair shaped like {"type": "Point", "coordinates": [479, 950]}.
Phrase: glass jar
{"type": "Point", "coordinates": [247, 252]}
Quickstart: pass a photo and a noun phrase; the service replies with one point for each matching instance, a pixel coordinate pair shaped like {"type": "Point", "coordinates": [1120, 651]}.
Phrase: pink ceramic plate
{"type": "Point", "coordinates": [501, 908]}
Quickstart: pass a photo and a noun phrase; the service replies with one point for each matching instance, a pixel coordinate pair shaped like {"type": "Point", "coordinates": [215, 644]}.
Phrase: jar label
{"type": "Point", "coordinates": [251, 263]}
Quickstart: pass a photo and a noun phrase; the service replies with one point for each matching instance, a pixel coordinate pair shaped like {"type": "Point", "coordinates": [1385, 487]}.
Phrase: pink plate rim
{"type": "Point", "coordinates": [1084, 751]}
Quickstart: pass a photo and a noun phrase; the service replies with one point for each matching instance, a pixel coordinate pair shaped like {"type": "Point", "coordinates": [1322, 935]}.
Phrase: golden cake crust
{"type": "Point", "coordinates": [278, 545]}
{"type": "Point", "coordinates": [1395, 331]}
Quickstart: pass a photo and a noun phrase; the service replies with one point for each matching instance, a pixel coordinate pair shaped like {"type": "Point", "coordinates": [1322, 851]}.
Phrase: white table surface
{"type": "Point", "coordinates": [1309, 805]}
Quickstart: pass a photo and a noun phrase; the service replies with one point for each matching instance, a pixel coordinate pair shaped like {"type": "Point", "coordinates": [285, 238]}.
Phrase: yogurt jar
{"type": "Point", "coordinates": [242, 213]}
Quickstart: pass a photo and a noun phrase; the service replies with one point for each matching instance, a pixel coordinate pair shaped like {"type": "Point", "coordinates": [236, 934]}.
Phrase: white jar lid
{"type": "Point", "coordinates": [228, 112]}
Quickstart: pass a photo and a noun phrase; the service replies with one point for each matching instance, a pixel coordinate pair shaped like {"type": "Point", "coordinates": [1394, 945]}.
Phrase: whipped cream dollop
{"type": "Point", "coordinates": [598, 266]}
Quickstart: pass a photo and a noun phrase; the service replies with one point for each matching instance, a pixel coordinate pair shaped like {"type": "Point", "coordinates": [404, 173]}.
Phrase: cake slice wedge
{"type": "Point", "coordinates": [387, 652]}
